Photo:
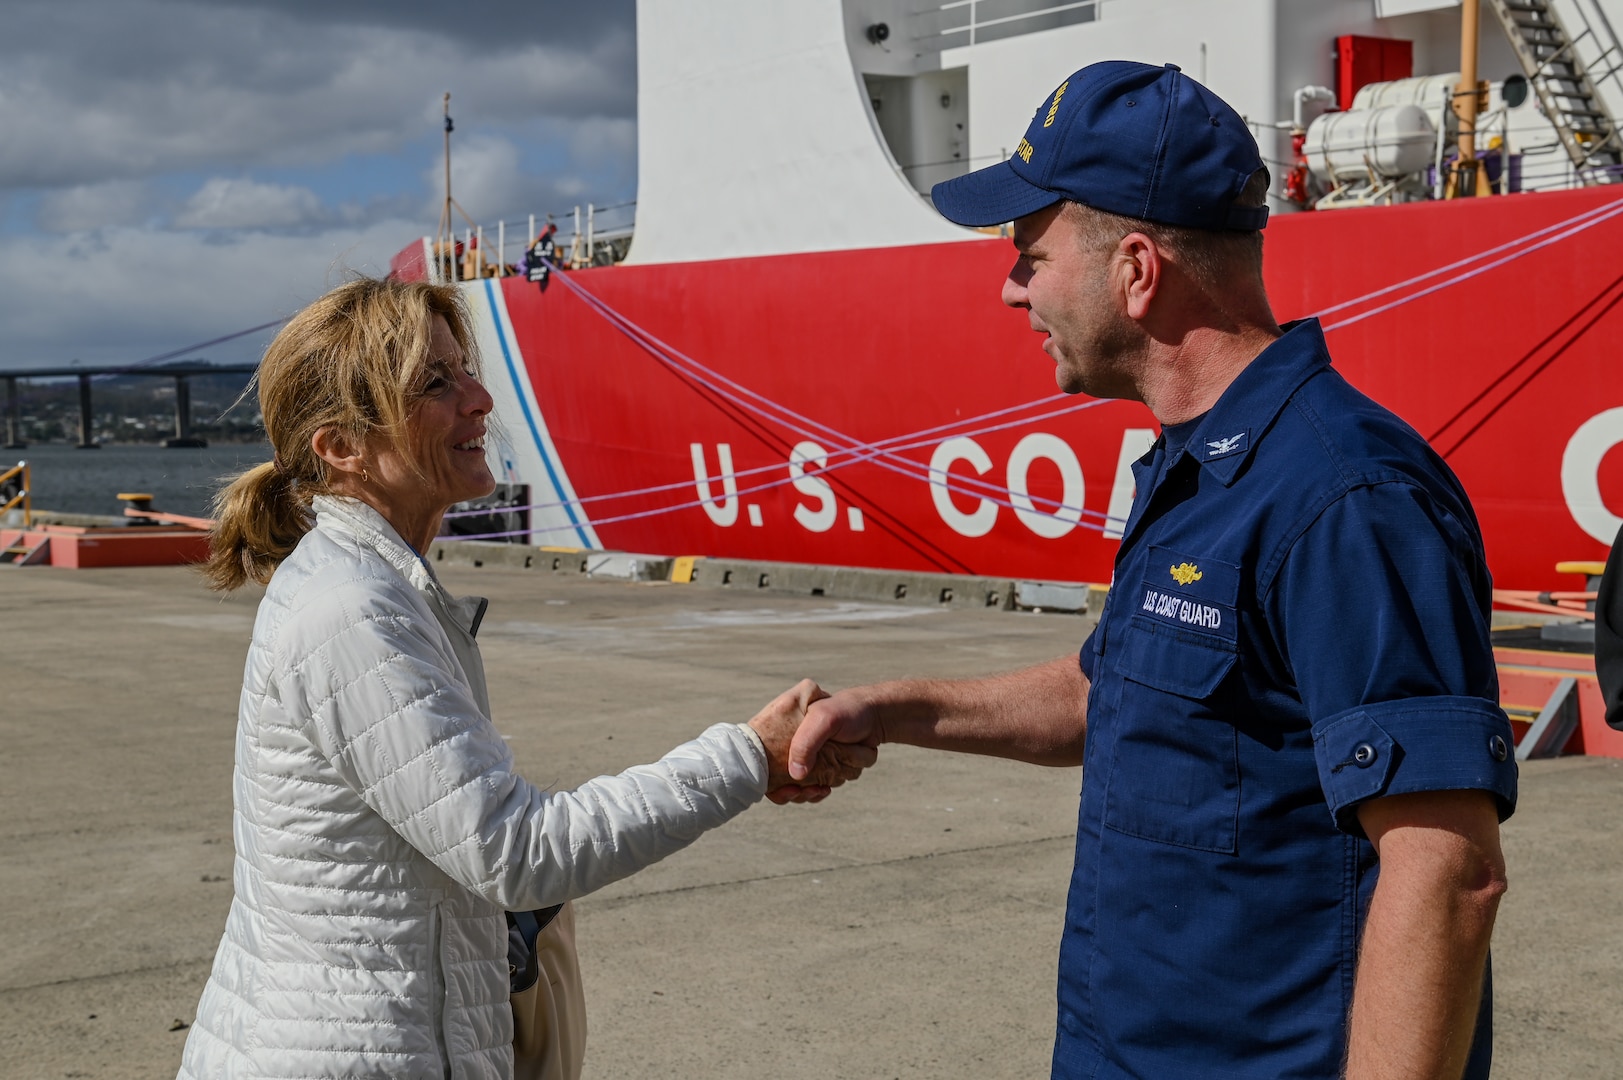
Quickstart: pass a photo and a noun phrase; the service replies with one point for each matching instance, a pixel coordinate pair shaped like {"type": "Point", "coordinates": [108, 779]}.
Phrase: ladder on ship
{"type": "Point", "coordinates": [1553, 61]}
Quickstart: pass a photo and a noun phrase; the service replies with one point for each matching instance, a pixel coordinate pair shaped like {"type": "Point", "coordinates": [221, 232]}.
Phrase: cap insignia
{"type": "Point", "coordinates": [1053, 109]}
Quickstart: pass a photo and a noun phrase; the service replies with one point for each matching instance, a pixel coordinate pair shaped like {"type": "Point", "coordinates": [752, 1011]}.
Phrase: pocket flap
{"type": "Point", "coordinates": [1188, 665]}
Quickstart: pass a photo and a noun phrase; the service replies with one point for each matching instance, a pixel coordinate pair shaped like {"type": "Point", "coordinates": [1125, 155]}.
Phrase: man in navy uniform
{"type": "Point", "coordinates": [1295, 765]}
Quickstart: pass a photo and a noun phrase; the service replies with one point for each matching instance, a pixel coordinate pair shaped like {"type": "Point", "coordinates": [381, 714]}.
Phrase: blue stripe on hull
{"type": "Point", "coordinates": [529, 414]}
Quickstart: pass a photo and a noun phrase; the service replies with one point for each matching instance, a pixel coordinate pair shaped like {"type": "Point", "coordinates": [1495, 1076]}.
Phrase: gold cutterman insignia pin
{"type": "Point", "coordinates": [1184, 573]}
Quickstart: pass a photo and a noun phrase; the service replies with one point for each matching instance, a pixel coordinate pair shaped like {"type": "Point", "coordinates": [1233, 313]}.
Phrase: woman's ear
{"type": "Point", "coordinates": [337, 449]}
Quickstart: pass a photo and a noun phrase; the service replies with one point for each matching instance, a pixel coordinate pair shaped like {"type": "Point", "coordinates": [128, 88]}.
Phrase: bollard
{"type": "Point", "coordinates": [135, 500]}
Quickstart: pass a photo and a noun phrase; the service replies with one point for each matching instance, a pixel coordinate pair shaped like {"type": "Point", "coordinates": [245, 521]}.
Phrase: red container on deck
{"type": "Point", "coordinates": [1364, 60]}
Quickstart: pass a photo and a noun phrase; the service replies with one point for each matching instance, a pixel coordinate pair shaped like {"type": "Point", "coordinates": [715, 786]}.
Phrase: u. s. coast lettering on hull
{"type": "Point", "coordinates": [965, 504]}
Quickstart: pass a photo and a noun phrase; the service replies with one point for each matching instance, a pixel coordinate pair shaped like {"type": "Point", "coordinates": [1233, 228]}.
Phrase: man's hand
{"type": "Point", "coordinates": [832, 722]}
{"type": "Point", "coordinates": [825, 768]}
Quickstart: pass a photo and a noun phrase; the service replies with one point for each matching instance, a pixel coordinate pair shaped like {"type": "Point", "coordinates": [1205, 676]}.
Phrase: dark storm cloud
{"type": "Point", "coordinates": [96, 91]}
{"type": "Point", "coordinates": [485, 23]}
{"type": "Point", "coordinates": [184, 167]}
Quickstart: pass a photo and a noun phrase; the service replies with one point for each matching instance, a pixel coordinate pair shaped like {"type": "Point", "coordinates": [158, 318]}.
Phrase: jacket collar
{"type": "Point", "coordinates": [352, 516]}
{"type": "Point", "coordinates": [336, 513]}
{"type": "Point", "coordinates": [1224, 440]}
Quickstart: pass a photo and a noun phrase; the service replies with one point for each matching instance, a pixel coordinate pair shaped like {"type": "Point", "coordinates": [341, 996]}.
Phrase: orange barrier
{"type": "Point", "coordinates": [1528, 678]}
{"type": "Point", "coordinates": [80, 548]}
{"type": "Point", "coordinates": [1572, 604]}
{"type": "Point", "coordinates": [205, 524]}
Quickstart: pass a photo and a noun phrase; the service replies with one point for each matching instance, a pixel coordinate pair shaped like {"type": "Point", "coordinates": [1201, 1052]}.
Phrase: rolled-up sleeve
{"type": "Point", "coordinates": [1382, 606]}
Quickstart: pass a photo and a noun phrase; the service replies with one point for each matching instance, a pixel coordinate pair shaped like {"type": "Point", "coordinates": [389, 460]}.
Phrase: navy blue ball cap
{"type": "Point", "coordinates": [1131, 139]}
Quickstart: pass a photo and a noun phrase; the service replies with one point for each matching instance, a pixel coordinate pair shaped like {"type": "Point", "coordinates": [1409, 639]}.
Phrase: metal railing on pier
{"type": "Point", "coordinates": [15, 490]}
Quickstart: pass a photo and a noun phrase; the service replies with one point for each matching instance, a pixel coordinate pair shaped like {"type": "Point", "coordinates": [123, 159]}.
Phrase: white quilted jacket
{"type": "Point", "coordinates": [381, 829]}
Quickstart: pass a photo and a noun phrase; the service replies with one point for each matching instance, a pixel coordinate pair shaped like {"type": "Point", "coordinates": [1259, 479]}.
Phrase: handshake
{"type": "Point", "coordinates": [814, 742]}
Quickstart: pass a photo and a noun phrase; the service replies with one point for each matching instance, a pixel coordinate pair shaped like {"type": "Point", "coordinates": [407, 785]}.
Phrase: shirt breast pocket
{"type": "Point", "coordinates": [1175, 770]}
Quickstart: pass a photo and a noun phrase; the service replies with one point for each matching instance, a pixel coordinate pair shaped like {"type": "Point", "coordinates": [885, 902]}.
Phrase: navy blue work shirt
{"type": "Point", "coordinates": [1298, 623]}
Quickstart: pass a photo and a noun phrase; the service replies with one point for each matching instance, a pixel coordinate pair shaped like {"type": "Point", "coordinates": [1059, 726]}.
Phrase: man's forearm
{"type": "Point", "coordinates": [1038, 714]}
{"type": "Point", "coordinates": [1425, 942]}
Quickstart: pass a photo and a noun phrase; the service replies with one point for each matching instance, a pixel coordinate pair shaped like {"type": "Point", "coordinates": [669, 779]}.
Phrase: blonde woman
{"type": "Point", "coordinates": [381, 829]}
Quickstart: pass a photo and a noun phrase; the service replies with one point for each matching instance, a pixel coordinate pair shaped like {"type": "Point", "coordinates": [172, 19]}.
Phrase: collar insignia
{"type": "Point", "coordinates": [1220, 447]}
{"type": "Point", "coordinates": [1184, 573]}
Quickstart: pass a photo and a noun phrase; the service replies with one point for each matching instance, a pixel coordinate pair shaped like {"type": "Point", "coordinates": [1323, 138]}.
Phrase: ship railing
{"type": "Point", "coordinates": [1538, 166]}
{"type": "Point", "coordinates": [600, 236]}
{"type": "Point", "coordinates": [1607, 64]}
{"type": "Point", "coordinates": [16, 490]}
{"type": "Point", "coordinates": [976, 28]}
{"type": "Point", "coordinates": [1571, 56]}
{"type": "Point", "coordinates": [1595, 46]}
{"type": "Point", "coordinates": [1560, 174]}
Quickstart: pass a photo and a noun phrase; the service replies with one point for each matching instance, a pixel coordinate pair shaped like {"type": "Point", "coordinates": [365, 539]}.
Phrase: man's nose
{"type": "Point", "coordinates": [1014, 288]}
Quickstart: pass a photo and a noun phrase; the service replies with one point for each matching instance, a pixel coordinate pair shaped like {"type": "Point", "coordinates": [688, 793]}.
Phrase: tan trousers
{"type": "Point", "coordinates": [549, 1019]}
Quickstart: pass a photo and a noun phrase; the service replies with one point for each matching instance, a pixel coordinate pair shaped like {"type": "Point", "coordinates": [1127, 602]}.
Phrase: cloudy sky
{"type": "Point", "coordinates": [176, 170]}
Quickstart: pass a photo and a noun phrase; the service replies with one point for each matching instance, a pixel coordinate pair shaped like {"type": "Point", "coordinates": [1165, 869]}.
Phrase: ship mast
{"type": "Point", "coordinates": [1469, 178]}
{"type": "Point", "coordinates": [445, 234]}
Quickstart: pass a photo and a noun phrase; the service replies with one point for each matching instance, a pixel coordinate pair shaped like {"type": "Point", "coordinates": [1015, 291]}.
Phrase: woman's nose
{"type": "Point", "coordinates": [476, 400]}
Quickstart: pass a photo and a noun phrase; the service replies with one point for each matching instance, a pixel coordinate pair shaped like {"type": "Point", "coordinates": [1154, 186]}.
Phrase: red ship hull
{"type": "Point", "coordinates": [1508, 369]}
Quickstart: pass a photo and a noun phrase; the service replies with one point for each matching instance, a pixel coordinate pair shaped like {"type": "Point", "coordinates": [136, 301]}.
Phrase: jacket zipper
{"type": "Point", "coordinates": [437, 989]}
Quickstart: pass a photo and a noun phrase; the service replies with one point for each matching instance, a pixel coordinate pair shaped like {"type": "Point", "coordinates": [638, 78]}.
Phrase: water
{"type": "Point", "coordinates": [73, 481]}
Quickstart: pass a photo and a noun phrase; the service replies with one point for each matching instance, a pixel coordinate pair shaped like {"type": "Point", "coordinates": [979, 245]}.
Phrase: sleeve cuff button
{"type": "Point", "coordinates": [1364, 755]}
{"type": "Point", "coordinates": [1498, 748]}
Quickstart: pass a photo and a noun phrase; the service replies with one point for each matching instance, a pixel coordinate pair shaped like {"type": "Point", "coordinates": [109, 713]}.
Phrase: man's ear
{"type": "Point", "coordinates": [337, 449]}
{"type": "Point", "coordinates": [1139, 266]}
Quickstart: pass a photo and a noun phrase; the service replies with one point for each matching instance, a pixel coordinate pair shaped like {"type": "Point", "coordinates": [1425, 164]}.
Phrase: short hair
{"type": "Point", "coordinates": [356, 360]}
{"type": "Point", "coordinates": [1215, 259]}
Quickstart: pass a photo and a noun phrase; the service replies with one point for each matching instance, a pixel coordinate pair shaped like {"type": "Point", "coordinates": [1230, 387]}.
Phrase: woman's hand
{"type": "Point", "coordinates": [835, 764]}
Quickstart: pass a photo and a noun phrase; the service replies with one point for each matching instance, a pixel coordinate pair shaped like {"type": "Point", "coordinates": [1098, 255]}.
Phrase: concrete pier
{"type": "Point", "coordinates": [908, 927]}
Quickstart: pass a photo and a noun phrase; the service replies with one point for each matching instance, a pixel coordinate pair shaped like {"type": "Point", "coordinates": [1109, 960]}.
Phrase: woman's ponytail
{"type": "Point", "coordinates": [259, 519]}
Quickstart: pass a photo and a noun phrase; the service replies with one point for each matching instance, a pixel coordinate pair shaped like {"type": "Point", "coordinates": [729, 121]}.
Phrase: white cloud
{"type": "Point", "coordinates": [92, 206]}
{"type": "Point", "coordinates": [485, 176]}
{"type": "Point", "coordinates": [123, 293]}
{"type": "Point", "coordinates": [224, 203]}
{"type": "Point", "coordinates": [488, 178]}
